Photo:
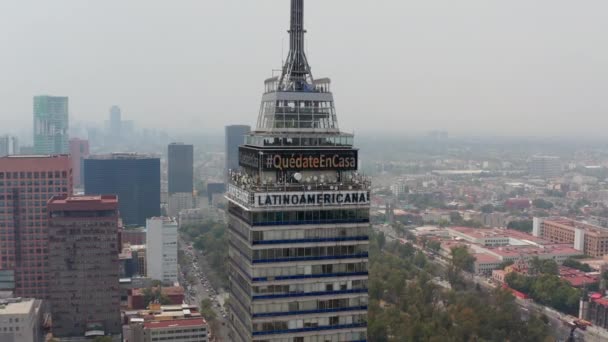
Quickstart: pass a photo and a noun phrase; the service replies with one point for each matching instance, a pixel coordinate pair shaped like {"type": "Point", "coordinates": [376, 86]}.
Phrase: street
{"type": "Point", "coordinates": [202, 287]}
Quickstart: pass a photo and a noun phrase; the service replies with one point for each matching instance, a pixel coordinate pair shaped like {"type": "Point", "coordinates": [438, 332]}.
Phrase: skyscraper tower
{"type": "Point", "coordinates": [234, 137]}
{"type": "Point", "coordinates": [115, 122]}
{"type": "Point", "coordinates": [298, 216]}
{"type": "Point", "coordinates": [51, 125]}
{"type": "Point", "coordinates": [180, 168]}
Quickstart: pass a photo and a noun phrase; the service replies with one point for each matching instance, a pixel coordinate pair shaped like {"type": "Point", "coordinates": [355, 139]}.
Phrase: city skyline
{"type": "Point", "coordinates": [449, 74]}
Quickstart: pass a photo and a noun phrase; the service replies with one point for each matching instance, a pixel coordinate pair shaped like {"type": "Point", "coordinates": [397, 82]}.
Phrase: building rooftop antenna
{"type": "Point", "coordinates": [296, 74]}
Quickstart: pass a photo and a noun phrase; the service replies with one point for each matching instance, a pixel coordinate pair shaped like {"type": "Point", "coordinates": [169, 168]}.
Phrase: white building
{"type": "Point", "coordinates": [177, 330]}
{"type": "Point", "coordinates": [161, 249]}
{"type": "Point", "coordinates": [20, 320]}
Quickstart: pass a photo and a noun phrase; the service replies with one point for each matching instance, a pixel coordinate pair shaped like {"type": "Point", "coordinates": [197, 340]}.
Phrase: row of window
{"type": "Point", "coordinates": [310, 269]}
{"type": "Point", "coordinates": [301, 217]}
{"type": "Point", "coordinates": [36, 174]}
{"type": "Point", "coordinates": [299, 141]}
{"type": "Point", "coordinates": [309, 305]}
{"type": "Point", "coordinates": [341, 337]}
{"type": "Point", "coordinates": [304, 252]}
{"type": "Point", "coordinates": [320, 233]}
{"type": "Point", "coordinates": [314, 322]}
{"type": "Point", "coordinates": [30, 190]}
{"type": "Point", "coordinates": [33, 183]}
{"type": "Point", "coordinates": [309, 287]}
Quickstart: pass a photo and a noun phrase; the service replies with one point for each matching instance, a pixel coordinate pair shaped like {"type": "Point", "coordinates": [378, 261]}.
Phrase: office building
{"type": "Point", "coordinates": [134, 178]}
{"type": "Point", "coordinates": [9, 145]}
{"type": "Point", "coordinates": [545, 167]}
{"type": "Point", "coordinates": [234, 137]}
{"type": "Point", "coordinates": [133, 236]}
{"type": "Point", "coordinates": [115, 122]}
{"type": "Point", "coordinates": [84, 294]}
{"type": "Point", "coordinates": [180, 168]}
{"type": "Point", "coordinates": [161, 249]}
{"type": "Point", "coordinates": [79, 151]}
{"type": "Point", "coordinates": [28, 183]}
{"type": "Point", "coordinates": [21, 320]}
{"type": "Point", "coordinates": [51, 125]}
{"type": "Point", "coordinates": [587, 238]}
{"type": "Point", "coordinates": [180, 201]}
{"type": "Point", "coordinates": [298, 216]}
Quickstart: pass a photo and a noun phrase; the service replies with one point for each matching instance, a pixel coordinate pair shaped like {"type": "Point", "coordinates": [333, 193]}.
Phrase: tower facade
{"type": "Point", "coordinates": [298, 216]}
{"type": "Point", "coordinates": [84, 292]}
{"type": "Point", "coordinates": [27, 183]}
{"type": "Point", "coordinates": [79, 150]}
{"type": "Point", "coordinates": [51, 125]}
{"type": "Point", "coordinates": [161, 249]}
{"type": "Point", "coordinates": [180, 168]}
{"type": "Point", "coordinates": [135, 178]}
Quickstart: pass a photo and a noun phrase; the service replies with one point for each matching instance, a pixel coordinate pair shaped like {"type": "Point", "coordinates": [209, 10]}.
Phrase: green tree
{"type": "Point", "coordinates": [522, 225]}
{"type": "Point", "coordinates": [206, 309]}
{"type": "Point", "coordinates": [542, 204]}
{"type": "Point", "coordinates": [487, 209]}
{"type": "Point", "coordinates": [573, 263]}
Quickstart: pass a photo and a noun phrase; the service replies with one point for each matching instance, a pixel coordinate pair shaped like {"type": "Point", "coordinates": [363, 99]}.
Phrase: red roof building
{"type": "Point", "coordinates": [136, 297]}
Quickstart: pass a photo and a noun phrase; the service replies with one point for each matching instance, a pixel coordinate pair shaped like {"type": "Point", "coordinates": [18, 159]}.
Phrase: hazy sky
{"type": "Point", "coordinates": [485, 66]}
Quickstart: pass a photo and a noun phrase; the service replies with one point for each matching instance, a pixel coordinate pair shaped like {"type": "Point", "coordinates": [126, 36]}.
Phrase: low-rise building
{"type": "Point", "coordinates": [182, 323]}
{"type": "Point", "coordinates": [136, 300]}
{"type": "Point", "coordinates": [590, 239]}
{"type": "Point", "coordinates": [178, 330]}
{"type": "Point", "coordinates": [20, 320]}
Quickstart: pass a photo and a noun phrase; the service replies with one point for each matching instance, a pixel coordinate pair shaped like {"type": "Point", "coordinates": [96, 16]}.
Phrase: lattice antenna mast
{"type": "Point", "coordinates": [296, 74]}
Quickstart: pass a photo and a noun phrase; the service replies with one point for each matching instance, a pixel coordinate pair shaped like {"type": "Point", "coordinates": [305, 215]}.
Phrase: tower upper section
{"type": "Point", "coordinates": [295, 102]}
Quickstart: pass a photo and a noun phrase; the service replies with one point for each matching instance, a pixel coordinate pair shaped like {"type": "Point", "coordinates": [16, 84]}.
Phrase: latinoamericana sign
{"type": "Point", "coordinates": [298, 160]}
{"type": "Point", "coordinates": [300, 198]}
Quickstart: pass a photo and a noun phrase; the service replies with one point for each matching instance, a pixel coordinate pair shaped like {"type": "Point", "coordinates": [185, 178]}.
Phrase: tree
{"type": "Point", "coordinates": [573, 263]}
{"type": "Point", "coordinates": [207, 309]}
{"type": "Point", "coordinates": [522, 225]}
{"type": "Point", "coordinates": [434, 245]}
{"type": "Point", "coordinates": [103, 339]}
{"type": "Point", "coordinates": [487, 209]}
{"type": "Point", "coordinates": [542, 204]}
{"type": "Point", "coordinates": [462, 260]}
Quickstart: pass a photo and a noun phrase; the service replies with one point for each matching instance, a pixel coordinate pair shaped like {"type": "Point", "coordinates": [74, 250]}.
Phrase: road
{"type": "Point", "coordinates": [203, 288]}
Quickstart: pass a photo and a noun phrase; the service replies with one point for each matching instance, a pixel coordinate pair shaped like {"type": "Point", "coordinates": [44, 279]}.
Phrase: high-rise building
{"type": "Point", "coordinates": [180, 168]}
{"type": "Point", "coordinates": [161, 249]}
{"type": "Point", "coordinates": [79, 151]}
{"type": "Point", "coordinates": [51, 125]}
{"type": "Point", "coordinates": [298, 216]}
{"type": "Point", "coordinates": [21, 320]}
{"type": "Point", "coordinates": [133, 177]}
{"type": "Point", "coordinates": [84, 292]}
{"type": "Point", "coordinates": [179, 201]}
{"type": "Point", "coordinates": [235, 137]}
{"type": "Point", "coordinates": [9, 145]}
{"type": "Point", "coordinates": [115, 122]}
{"type": "Point", "coordinates": [545, 166]}
{"type": "Point", "coordinates": [28, 183]}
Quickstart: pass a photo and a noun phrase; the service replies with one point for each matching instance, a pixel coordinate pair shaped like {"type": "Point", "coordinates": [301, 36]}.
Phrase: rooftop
{"type": "Point", "coordinates": [122, 156]}
{"type": "Point", "coordinates": [192, 322]}
{"type": "Point", "coordinates": [173, 290]}
{"type": "Point", "coordinates": [16, 306]}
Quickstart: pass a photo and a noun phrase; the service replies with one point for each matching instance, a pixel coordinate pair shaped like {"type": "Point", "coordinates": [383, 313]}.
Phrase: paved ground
{"type": "Point", "coordinates": [204, 288]}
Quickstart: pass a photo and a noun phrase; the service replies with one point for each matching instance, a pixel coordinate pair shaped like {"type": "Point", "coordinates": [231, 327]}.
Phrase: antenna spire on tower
{"type": "Point", "coordinates": [296, 74]}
